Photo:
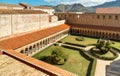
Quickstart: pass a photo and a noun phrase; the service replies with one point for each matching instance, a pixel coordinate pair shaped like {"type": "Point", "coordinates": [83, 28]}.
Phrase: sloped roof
{"type": "Point", "coordinates": [19, 41]}
{"type": "Point", "coordinates": [10, 5]}
{"type": "Point", "coordinates": [13, 11]}
{"type": "Point", "coordinates": [43, 7]}
{"type": "Point", "coordinates": [96, 27]}
{"type": "Point", "coordinates": [112, 10]}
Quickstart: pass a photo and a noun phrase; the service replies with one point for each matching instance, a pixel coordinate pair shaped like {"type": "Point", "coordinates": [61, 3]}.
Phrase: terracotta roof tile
{"type": "Point", "coordinates": [109, 10]}
{"type": "Point", "coordinates": [96, 27]}
{"type": "Point", "coordinates": [19, 41]}
{"type": "Point", "coordinates": [40, 64]}
{"type": "Point", "coordinates": [13, 11]}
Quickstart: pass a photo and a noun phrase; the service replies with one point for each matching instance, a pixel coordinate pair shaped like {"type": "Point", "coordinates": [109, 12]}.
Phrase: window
{"type": "Point", "coordinates": [116, 17]}
{"type": "Point", "coordinates": [98, 16]}
{"type": "Point", "coordinates": [109, 17]}
{"type": "Point", "coordinates": [103, 16]}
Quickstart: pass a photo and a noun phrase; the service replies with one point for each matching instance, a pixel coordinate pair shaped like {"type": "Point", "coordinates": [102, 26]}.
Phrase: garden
{"type": "Point", "coordinates": [77, 60]}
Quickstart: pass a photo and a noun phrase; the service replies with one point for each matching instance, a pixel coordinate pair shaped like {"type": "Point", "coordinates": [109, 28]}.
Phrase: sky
{"type": "Point", "coordinates": [55, 2]}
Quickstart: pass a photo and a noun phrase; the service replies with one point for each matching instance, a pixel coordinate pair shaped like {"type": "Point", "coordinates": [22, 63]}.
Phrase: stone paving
{"type": "Point", "coordinates": [12, 67]}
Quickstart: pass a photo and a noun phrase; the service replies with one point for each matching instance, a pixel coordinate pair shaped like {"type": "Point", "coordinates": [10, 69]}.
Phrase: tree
{"type": "Point", "coordinates": [58, 56]}
{"type": "Point", "coordinates": [104, 45]}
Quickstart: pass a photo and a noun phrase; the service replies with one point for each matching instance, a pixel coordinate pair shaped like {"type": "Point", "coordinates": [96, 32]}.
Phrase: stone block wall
{"type": "Point", "coordinates": [19, 23]}
{"type": "Point", "coordinates": [112, 20]}
{"type": "Point", "coordinates": [5, 25]}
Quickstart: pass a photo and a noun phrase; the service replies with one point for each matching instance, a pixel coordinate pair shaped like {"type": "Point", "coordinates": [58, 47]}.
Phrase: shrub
{"type": "Point", "coordinates": [59, 41]}
{"type": "Point", "coordinates": [81, 38]}
{"type": "Point", "coordinates": [75, 44]}
{"type": "Point", "coordinates": [58, 56]}
{"type": "Point", "coordinates": [103, 45]}
{"type": "Point", "coordinates": [115, 55]}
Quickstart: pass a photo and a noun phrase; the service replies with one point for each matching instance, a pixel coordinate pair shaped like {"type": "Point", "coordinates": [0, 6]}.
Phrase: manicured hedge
{"type": "Point", "coordinates": [118, 50]}
{"type": "Point", "coordinates": [105, 58]}
{"type": "Point", "coordinates": [75, 44]}
{"type": "Point", "coordinates": [92, 66]}
{"type": "Point", "coordinates": [80, 38]}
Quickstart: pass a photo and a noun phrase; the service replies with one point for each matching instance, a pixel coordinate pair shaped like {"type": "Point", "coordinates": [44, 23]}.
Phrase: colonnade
{"type": "Point", "coordinates": [39, 45]}
{"type": "Point", "coordinates": [96, 33]}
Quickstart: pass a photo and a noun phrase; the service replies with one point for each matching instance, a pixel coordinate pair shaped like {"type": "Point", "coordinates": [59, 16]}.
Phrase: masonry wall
{"type": "Point", "coordinates": [25, 22]}
{"type": "Point", "coordinates": [91, 19]}
{"type": "Point", "coordinates": [19, 23]}
{"type": "Point", "coordinates": [5, 25]}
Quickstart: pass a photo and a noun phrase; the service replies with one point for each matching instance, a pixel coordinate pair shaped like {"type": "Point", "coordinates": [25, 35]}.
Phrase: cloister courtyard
{"type": "Point", "coordinates": [81, 61]}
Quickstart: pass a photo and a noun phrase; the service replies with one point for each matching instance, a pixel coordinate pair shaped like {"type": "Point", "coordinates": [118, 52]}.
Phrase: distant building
{"type": "Point", "coordinates": [10, 6]}
{"type": "Point", "coordinates": [23, 6]}
{"type": "Point", "coordinates": [115, 10]}
{"type": "Point", "coordinates": [49, 10]}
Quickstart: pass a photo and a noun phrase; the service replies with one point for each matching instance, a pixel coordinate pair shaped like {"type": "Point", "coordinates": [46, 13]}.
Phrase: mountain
{"type": "Point", "coordinates": [108, 4]}
{"type": "Point", "coordinates": [72, 8]}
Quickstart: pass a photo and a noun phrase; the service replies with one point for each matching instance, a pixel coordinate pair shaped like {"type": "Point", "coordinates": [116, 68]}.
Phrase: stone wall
{"type": "Point", "coordinates": [5, 25]}
{"type": "Point", "coordinates": [112, 20]}
{"type": "Point", "coordinates": [19, 23]}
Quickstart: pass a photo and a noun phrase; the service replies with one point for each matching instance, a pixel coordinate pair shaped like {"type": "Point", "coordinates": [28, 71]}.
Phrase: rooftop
{"type": "Point", "coordinates": [13, 67]}
{"type": "Point", "coordinates": [19, 41]}
{"type": "Point", "coordinates": [97, 27]}
{"type": "Point", "coordinates": [110, 10]}
{"type": "Point", "coordinates": [12, 11]}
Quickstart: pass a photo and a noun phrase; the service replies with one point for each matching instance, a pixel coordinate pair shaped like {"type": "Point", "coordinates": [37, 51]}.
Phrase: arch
{"type": "Point", "coordinates": [34, 47]}
{"type": "Point", "coordinates": [22, 51]}
{"type": "Point", "coordinates": [30, 49]}
{"type": "Point", "coordinates": [40, 44]}
{"type": "Point", "coordinates": [110, 35]}
{"type": "Point", "coordinates": [26, 51]}
{"type": "Point", "coordinates": [37, 46]}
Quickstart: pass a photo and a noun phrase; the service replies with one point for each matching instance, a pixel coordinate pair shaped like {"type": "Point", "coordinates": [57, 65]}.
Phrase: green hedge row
{"type": "Point", "coordinates": [105, 58]}
{"type": "Point", "coordinates": [118, 50]}
{"type": "Point", "coordinates": [92, 66]}
{"type": "Point", "coordinates": [75, 44]}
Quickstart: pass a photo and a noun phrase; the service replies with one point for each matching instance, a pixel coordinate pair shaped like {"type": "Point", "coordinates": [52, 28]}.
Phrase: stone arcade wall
{"type": "Point", "coordinates": [96, 25]}
{"type": "Point", "coordinates": [112, 20]}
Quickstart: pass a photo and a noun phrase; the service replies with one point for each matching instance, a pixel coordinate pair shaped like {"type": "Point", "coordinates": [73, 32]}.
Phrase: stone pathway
{"type": "Point", "coordinates": [101, 66]}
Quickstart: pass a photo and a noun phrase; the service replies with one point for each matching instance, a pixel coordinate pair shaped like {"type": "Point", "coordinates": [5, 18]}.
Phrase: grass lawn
{"type": "Point", "coordinates": [116, 45]}
{"type": "Point", "coordinates": [76, 62]}
{"type": "Point", "coordinates": [72, 39]}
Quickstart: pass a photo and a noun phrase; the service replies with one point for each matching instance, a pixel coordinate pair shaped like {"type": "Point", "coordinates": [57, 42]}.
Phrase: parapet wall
{"type": "Point", "coordinates": [112, 20]}
{"type": "Point", "coordinates": [18, 23]}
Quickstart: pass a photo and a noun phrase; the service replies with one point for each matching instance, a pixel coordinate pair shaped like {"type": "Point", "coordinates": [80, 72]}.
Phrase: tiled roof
{"type": "Point", "coordinates": [43, 65]}
{"type": "Point", "coordinates": [43, 7]}
{"type": "Point", "coordinates": [13, 11]}
{"type": "Point", "coordinates": [112, 10]}
{"type": "Point", "coordinates": [10, 5]}
{"type": "Point", "coordinates": [9, 45]}
{"type": "Point", "coordinates": [19, 41]}
{"type": "Point", "coordinates": [96, 27]}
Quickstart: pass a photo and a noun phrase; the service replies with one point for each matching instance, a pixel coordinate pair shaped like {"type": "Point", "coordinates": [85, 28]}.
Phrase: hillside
{"type": "Point", "coordinates": [72, 8]}
{"type": "Point", "coordinates": [108, 4]}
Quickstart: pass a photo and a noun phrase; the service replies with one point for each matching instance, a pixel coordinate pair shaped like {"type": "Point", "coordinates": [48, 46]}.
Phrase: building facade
{"type": "Point", "coordinates": [96, 25]}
